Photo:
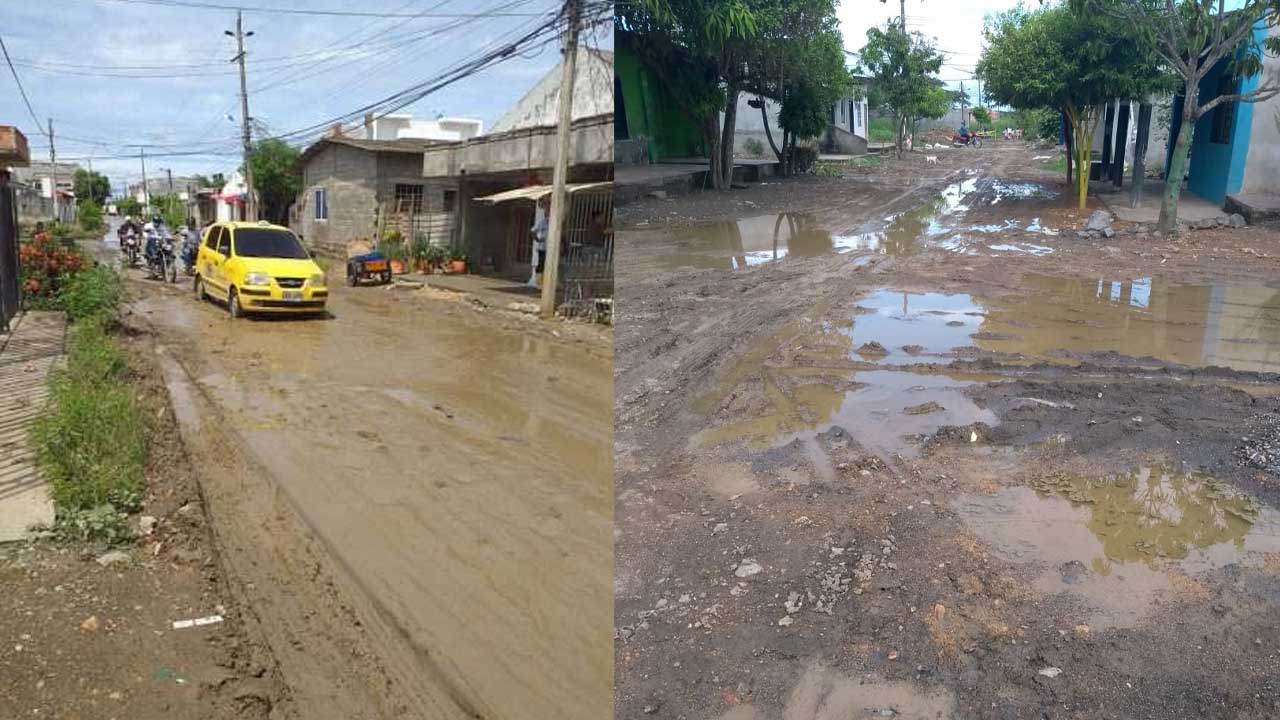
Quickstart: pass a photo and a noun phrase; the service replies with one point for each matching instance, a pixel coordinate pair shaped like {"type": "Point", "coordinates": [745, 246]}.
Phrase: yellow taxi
{"type": "Point", "coordinates": [257, 267]}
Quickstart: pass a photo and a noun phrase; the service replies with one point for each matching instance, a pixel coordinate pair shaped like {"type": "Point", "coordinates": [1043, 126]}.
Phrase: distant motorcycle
{"type": "Point", "coordinates": [129, 247]}
{"type": "Point", "coordinates": [190, 247]}
{"type": "Point", "coordinates": [161, 263]}
{"type": "Point", "coordinates": [966, 141]}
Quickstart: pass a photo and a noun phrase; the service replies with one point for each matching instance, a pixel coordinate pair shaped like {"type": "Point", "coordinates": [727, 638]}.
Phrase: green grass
{"type": "Point", "coordinates": [882, 130]}
{"type": "Point", "coordinates": [1057, 164]}
{"type": "Point", "coordinates": [91, 444]}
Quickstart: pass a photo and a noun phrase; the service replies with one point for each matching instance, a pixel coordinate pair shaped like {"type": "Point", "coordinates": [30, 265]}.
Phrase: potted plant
{"type": "Point", "coordinates": [392, 246]}
{"type": "Point", "coordinates": [421, 254]}
{"type": "Point", "coordinates": [457, 262]}
{"type": "Point", "coordinates": [436, 256]}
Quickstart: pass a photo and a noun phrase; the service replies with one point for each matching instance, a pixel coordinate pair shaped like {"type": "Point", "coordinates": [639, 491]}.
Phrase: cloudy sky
{"type": "Point", "coordinates": [116, 73]}
{"type": "Point", "coordinates": [955, 27]}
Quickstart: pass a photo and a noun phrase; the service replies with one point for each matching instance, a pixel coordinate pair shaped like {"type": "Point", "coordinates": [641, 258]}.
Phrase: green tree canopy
{"type": "Point", "coordinates": [91, 185]}
{"type": "Point", "coordinates": [1069, 59]}
{"type": "Point", "coordinates": [275, 179]}
{"type": "Point", "coordinates": [1191, 37]}
{"type": "Point", "coordinates": [904, 76]}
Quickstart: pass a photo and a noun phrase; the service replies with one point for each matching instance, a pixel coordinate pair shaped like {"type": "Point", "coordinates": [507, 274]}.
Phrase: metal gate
{"type": "Point", "coordinates": [9, 298]}
{"type": "Point", "coordinates": [586, 285]}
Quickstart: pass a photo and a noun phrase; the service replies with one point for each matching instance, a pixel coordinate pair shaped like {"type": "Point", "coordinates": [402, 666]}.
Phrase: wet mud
{"type": "Point", "coordinates": [969, 460]}
{"type": "Point", "coordinates": [457, 465]}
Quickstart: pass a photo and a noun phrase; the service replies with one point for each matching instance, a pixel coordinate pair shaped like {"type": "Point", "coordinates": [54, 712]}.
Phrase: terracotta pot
{"type": "Point", "coordinates": [457, 266]}
{"type": "Point", "coordinates": [397, 267]}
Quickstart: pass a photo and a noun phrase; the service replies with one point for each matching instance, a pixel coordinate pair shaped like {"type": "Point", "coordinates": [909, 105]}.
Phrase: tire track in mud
{"type": "Point", "coordinates": [339, 654]}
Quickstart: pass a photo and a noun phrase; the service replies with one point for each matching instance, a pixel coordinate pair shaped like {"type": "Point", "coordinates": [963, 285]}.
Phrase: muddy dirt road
{"type": "Point", "coordinates": [451, 470]}
{"type": "Point", "coordinates": [913, 448]}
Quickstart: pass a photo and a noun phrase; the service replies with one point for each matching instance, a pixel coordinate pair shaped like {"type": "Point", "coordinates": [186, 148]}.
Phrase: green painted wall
{"type": "Point", "coordinates": [651, 112]}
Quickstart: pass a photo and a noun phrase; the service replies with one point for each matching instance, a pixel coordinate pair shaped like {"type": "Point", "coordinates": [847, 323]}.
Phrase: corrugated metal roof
{"type": "Point", "coordinates": [399, 145]}
{"type": "Point", "coordinates": [537, 192]}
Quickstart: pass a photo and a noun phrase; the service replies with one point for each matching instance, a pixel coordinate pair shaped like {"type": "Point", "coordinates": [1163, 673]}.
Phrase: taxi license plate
{"type": "Point", "coordinates": [377, 265]}
{"type": "Point", "coordinates": [291, 295]}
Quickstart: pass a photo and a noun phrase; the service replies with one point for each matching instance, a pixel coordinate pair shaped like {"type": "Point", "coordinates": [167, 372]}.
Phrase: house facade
{"type": "Point", "coordinates": [521, 152]}
{"type": "Point", "coordinates": [847, 132]}
{"type": "Point", "coordinates": [649, 125]}
{"type": "Point", "coordinates": [399, 126]}
{"type": "Point", "coordinates": [357, 189]}
{"type": "Point", "coordinates": [1235, 149]}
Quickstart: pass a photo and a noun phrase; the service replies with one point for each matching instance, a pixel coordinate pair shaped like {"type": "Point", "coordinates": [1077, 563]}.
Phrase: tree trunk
{"type": "Point", "coordinates": [1066, 139]}
{"type": "Point", "coordinates": [768, 134]}
{"type": "Point", "coordinates": [1122, 143]}
{"type": "Point", "coordinates": [730, 125]}
{"type": "Point", "coordinates": [1108, 120]}
{"type": "Point", "coordinates": [711, 134]}
{"type": "Point", "coordinates": [901, 128]}
{"type": "Point", "coordinates": [1140, 155]}
{"type": "Point", "coordinates": [1168, 223]}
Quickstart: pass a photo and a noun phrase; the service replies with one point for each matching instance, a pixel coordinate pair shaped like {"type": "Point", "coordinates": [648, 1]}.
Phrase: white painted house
{"type": "Point", "coordinates": [400, 126]}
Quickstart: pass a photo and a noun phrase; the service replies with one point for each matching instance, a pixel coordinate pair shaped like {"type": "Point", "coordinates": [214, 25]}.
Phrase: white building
{"type": "Point", "coordinates": [405, 126]}
{"type": "Point", "coordinates": [230, 202]}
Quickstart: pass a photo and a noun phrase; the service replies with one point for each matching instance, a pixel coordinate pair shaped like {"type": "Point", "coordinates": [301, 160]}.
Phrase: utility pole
{"type": "Point", "coordinates": [53, 174]}
{"type": "Point", "coordinates": [902, 7]}
{"type": "Point", "coordinates": [146, 196]}
{"type": "Point", "coordinates": [250, 205]}
{"type": "Point", "coordinates": [170, 172]}
{"type": "Point", "coordinates": [559, 197]}
{"type": "Point", "coordinates": [964, 106]}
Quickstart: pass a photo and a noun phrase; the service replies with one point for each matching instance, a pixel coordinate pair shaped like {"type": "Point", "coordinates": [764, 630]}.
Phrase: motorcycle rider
{"type": "Point", "coordinates": [155, 232]}
{"type": "Point", "coordinates": [190, 244]}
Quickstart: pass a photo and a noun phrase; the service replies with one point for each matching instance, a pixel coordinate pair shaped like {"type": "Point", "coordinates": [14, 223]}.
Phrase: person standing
{"type": "Point", "coordinates": [541, 223]}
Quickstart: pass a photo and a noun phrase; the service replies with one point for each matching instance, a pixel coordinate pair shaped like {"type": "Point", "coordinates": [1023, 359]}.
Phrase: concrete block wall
{"type": "Point", "coordinates": [349, 176]}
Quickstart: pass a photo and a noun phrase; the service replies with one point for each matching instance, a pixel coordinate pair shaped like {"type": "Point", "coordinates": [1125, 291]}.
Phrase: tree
{"type": "Point", "coordinates": [695, 49]}
{"type": "Point", "coordinates": [89, 214]}
{"type": "Point", "coordinates": [797, 60]}
{"type": "Point", "coordinates": [171, 208]}
{"type": "Point", "coordinates": [1191, 37]}
{"type": "Point", "coordinates": [1070, 59]}
{"type": "Point", "coordinates": [91, 185]}
{"type": "Point", "coordinates": [275, 178]}
{"type": "Point", "coordinates": [903, 69]}
{"type": "Point", "coordinates": [216, 180]}
{"type": "Point", "coordinates": [982, 116]}
{"type": "Point", "coordinates": [129, 206]}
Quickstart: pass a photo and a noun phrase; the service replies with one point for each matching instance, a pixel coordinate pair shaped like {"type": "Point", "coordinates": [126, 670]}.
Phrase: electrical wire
{"type": "Point", "coordinates": [21, 90]}
{"type": "Point", "coordinates": [297, 11]}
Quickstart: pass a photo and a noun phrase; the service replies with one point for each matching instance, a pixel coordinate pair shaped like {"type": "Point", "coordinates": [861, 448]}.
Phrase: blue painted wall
{"type": "Point", "coordinates": [1217, 169]}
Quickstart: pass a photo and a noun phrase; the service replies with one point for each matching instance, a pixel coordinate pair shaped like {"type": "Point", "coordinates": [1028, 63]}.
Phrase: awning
{"type": "Point", "coordinates": [537, 192]}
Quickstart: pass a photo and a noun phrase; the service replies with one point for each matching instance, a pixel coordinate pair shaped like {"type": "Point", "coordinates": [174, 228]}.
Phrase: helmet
{"type": "Point", "coordinates": [157, 220]}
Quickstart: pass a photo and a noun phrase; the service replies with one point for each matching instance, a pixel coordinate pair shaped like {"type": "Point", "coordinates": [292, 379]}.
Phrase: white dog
{"type": "Point", "coordinates": [930, 159]}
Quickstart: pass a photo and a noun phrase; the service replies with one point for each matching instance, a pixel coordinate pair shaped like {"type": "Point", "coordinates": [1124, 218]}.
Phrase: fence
{"type": "Point", "coordinates": [586, 286]}
{"type": "Point", "coordinates": [9, 297]}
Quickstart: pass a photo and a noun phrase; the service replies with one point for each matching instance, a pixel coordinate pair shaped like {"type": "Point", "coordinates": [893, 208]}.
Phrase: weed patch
{"type": "Point", "coordinates": [91, 444]}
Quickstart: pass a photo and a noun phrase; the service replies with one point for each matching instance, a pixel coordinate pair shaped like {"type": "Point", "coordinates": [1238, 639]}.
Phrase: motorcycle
{"type": "Point", "coordinates": [190, 246]}
{"type": "Point", "coordinates": [161, 264]}
{"type": "Point", "coordinates": [129, 247]}
{"type": "Point", "coordinates": [969, 141]}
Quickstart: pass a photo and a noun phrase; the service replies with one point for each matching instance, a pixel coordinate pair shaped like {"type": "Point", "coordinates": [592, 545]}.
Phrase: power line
{"type": "Point", "coordinates": [296, 11]}
{"type": "Point", "coordinates": [21, 90]}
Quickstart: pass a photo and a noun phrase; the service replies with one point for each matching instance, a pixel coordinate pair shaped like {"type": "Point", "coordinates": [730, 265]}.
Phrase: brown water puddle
{"type": "Point", "coordinates": [1226, 323]}
{"type": "Point", "coordinates": [1231, 324]}
{"type": "Point", "coordinates": [1116, 542]}
{"type": "Point", "coordinates": [888, 413]}
{"type": "Point", "coordinates": [943, 221]}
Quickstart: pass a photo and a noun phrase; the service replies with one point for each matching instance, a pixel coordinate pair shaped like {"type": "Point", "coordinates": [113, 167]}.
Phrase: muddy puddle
{"type": "Point", "coordinates": [746, 242]}
{"type": "Point", "coordinates": [825, 694]}
{"type": "Point", "coordinates": [1116, 542]}
{"type": "Point", "coordinates": [884, 411]}
{"type": "Point", "coordinates": [1228, 323]}
{"type": "Point", "coordinates": [962, 217]}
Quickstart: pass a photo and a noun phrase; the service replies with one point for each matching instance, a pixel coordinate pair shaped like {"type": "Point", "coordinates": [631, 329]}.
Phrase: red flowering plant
{"type": "Point", "coordinates": [45, 264]}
